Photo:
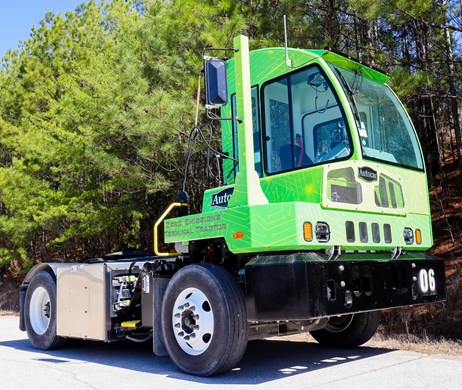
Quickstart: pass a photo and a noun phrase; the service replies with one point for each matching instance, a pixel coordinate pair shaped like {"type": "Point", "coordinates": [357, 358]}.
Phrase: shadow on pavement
{"type": "Point", "coordinates": [264, 360]}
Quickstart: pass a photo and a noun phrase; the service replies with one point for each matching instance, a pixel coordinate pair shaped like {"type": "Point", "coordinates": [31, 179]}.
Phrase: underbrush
{"type": "Point", "coordinates": [9, 297]}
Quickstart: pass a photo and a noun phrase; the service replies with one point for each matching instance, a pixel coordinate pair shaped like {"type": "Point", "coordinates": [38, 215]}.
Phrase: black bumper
{"type": "Point", "coordinates": [308, 285]}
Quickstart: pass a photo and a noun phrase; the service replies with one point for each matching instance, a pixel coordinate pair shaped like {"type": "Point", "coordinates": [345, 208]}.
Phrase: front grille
{"type": "Point", "coordinates": [365, 232]}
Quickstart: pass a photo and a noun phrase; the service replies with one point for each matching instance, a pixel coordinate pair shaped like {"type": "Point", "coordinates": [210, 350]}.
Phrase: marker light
{"type": "Point", "coordinates": [238, 235]}
{"type": "Point", "coordinates": [418, 236]}
{"type": "Point", "coordinates": [308, 231]}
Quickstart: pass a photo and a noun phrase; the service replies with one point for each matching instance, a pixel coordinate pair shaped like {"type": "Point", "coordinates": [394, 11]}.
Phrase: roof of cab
{"type": "Point", "coordinates": [269, 63]}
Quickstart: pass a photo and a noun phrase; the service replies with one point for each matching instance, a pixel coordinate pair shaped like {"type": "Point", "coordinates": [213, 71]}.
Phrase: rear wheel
{"type": "Point", "coordinates": [349, 330]}
{"type": "Point", "coordinates": [204, 320]}
{"type": "Point", "coordinates": [40, 312]}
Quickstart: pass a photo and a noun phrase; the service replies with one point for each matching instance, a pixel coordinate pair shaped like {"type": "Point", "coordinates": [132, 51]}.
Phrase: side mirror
{"type": "Point", "coordinates": [216, 87]}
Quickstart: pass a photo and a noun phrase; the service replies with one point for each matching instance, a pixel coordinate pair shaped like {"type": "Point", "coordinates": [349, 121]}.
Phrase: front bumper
{"type": "Point", "coordinates": [307, 285]}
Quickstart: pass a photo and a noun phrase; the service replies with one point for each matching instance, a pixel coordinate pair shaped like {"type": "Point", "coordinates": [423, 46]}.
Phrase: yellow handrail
{"type": "Point", "coordinates": [156, 225]}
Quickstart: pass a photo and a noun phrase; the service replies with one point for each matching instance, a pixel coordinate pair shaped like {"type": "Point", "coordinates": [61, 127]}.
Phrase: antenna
{"type": "Point", "coordinates": [288, 60]}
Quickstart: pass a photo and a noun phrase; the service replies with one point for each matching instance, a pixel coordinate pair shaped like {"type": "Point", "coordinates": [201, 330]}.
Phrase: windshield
{"type": "Point", "coordinates": [384, 128]}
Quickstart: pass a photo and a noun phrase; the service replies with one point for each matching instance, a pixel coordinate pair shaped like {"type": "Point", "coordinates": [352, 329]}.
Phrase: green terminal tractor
{"type": "Point", "coordinates": [323, 221]}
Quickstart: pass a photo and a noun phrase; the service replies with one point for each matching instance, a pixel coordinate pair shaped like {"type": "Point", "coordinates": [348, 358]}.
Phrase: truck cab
{"type": "Point", "coordinates": [331, 134]}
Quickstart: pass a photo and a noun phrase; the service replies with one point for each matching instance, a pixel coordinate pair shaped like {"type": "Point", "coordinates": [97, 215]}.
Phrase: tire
{"type": "Point", "coordinates": [348, 331]}
{"type": "Point", "coordinates": [204, 321]}
{"type": "Point", "coordinates": [40, 312]}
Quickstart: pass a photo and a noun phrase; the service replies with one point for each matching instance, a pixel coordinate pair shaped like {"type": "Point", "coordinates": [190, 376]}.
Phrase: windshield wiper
{"type": "Point", "coordinates": [351, 93]}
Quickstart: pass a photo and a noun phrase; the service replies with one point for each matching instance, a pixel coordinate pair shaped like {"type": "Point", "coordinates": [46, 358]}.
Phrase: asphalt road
{"type": "Point", "coordinates": [267, 364]}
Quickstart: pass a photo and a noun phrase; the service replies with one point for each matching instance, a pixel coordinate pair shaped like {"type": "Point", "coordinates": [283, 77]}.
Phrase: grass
{"type": "Point", "coordinates": [397, 342]}
{"type": "Point", "coordinates": [412, 343]}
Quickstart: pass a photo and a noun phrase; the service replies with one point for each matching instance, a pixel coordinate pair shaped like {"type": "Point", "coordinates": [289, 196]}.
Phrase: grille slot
{"type": "Point", "coordinates": [350, 231]}
{"type": "Point", "coordinates": [363, 235]}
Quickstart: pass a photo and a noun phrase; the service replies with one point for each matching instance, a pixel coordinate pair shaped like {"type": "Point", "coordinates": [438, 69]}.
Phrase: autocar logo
{"type": "Point", "coordinates": [220, 199]}
{"type": "Point", "coordinates": [367, 173]}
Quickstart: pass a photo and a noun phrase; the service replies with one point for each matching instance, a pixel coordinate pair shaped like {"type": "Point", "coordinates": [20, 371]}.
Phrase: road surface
{"type": "Point", "coordinates": [267, 364]}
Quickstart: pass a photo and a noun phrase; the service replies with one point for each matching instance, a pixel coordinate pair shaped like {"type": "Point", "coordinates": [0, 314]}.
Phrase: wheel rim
{"type": "Point", "coordinates": [339, 324]}
{"type": "Point", "coordinates": [40, 310]}
{"type": "Point", "coordinates": [193, 321]}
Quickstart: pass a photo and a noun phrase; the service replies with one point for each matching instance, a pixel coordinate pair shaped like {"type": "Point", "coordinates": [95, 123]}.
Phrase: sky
{"type": "Point", "coordinates": [18, 16]}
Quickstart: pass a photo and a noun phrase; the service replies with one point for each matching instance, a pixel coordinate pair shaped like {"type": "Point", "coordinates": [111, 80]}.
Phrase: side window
{"type": "Point", "coordinates": [304, 124]}
{"type": "Point", "coordinates": [256, 131]}
{"type": "Point", "coordinates": [278, 130]}
{"type": "Point", "coordinates": [235, 143]}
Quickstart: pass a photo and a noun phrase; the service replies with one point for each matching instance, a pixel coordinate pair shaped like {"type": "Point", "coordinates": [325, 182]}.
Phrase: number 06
{"type": "Point", "coordinates": [427, 280]}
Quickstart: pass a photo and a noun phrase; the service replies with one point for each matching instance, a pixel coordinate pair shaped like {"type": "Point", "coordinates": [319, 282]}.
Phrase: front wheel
{"type": "Point", "coordinates": [349, 330]}
{"type": "Point", "coordinates": [204, 321]}
{"type": "Point", "coordinates": [40, 312]}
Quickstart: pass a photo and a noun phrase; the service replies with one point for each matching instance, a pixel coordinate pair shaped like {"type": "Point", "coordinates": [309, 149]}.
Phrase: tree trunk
{"type": "Point", "coordinates": [439, 146]}
{"type": "Point", "coordinates": [423, 46]}
{"type": "Point", "coordinates": [454, 103]}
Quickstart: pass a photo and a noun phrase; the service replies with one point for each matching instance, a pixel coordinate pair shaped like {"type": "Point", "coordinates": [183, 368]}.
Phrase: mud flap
{"type": "Point", "coordinates": [159, 286]}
